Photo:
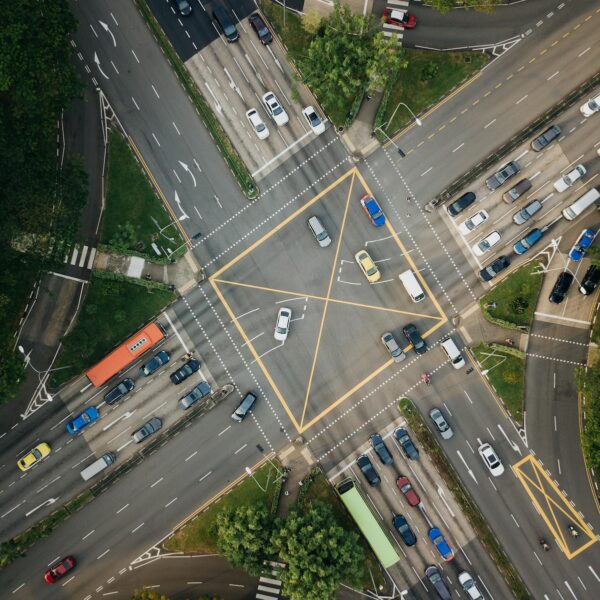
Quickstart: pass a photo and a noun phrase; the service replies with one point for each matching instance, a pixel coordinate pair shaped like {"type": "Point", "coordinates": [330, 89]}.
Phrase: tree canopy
{"type": "Point", "coordinates": [319, 554]}
{"type": "Point", "coordinates": [39, 203]}
{"type": "Point", "coordinates": [445, 6]}
{"type": "Point", "coordinates": [589, 383]}
{"type": "Point", "coordinates": [243, 535]}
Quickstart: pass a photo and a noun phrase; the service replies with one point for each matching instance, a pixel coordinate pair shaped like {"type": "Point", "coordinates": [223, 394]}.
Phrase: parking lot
{"type": "Point", "coordinates": [577, 144]}
{"type": "Point", "coordinates": [234, 77]}
{"type": "Point", "coordinates": [337, 314]}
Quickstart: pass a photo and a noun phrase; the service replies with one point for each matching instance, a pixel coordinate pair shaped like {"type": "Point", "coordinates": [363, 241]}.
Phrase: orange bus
{"type": "Point", "coordinates": [126, 353]}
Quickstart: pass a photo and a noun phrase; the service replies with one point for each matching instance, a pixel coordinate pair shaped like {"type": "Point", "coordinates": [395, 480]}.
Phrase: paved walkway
{"type": "Point", "coordinates": [298, 458]}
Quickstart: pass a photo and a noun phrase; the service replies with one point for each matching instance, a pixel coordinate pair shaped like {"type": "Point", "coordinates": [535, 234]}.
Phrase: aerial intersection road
{"type": "Point", "coordinates": [331, 381]}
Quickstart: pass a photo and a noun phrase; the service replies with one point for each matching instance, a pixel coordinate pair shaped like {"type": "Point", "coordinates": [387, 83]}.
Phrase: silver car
{"type": "Point", "coordinates": [441, 423]}
{"type": "Point", "coordinates": [389, 341]}
{"type": "Point", "coordinates": [147, 429]}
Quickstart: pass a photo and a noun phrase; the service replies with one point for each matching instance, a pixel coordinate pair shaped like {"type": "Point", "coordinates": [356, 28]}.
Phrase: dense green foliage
{"type": "Point", "coordinates": [319, 554]}
{"type": "Point", "coordinates": [243, 536]}
{"type": "Point", "coordinates": [40, 204]}
{"type": "Point", "coordinates": [447, 5]}
{"type": "Point", "coordinates": [144, 594]}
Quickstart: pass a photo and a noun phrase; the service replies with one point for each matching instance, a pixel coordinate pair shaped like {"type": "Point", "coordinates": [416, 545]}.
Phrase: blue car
{"type": "Point", "coordinates": [82, 420]}
{"type": "Point", "coordinates": [533, 237]}
{"type": "Point", "coordinates": [373, 210]}
{"type": "Point", "coordinates": [582, 244]}
{"type": "Point", "coordinates": [155, 363]}
{"type": "Point", "coordinates": [435, 535]}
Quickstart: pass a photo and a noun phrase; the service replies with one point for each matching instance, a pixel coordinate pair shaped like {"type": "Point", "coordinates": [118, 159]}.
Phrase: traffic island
{"type": "Point", "coordinates": [463, 498]}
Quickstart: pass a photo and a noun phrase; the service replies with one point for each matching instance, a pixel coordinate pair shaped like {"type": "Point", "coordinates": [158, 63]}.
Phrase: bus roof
{"type": "Point", "coordinates": [125, 354]}
{"type": "Point", "coordinates": [367, 523]}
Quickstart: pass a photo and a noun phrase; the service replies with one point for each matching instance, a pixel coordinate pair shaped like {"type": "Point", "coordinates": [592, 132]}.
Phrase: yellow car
{"type": "Point", "coordinates": [368, 267]}
{"type": "Point", "coordinates": [38, 453]}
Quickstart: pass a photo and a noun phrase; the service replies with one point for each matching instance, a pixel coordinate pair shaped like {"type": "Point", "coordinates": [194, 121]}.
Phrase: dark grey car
{"type": "Point", "coordinates": [516, 191]}
{"type": "Point", "coordinates": [147, 429]}
{"type": "Point", "coordinates": [381, 449]}
{"type": "Point", "coordinates": [405, 441]}
{"type": "Point", "coordinates": [366, 466]}
{"type": "Point", "coordinates": [461, 203]}
{"type": "Point", "coordinates": [548, 136]}
{"type": "Point", "coordinates": [435, 579]}
{"type": "Point", "coordinates": [527, 212]}
{"type": "Point", "coordinates": [120, 390]}
{"type": "Point", "coordinates": [488, 273]}
{"type": "Point", "coordinates": [200, 391]}
{"type": "Point", "coordinates": [190, 367]}
{"type": "Point", "coordinates": [503, 175]}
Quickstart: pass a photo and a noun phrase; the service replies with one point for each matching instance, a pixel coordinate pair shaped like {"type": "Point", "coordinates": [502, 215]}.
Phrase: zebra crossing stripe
{"type": "Point", "coordinates": [264, 579]}
{"type": "Point", "coordinates": [84, 252]}
{"type": "Point", "coordinates": [74, 256]}
{"type": "Point", "coordinates": [90, 263]}
{"type": "Point", "coordinates": [268, 590]}
{"type": "Point", "coordinates": [398, 2]}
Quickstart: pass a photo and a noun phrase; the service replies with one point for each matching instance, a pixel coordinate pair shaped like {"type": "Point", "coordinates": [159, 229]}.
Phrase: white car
{"type": "Point", "coordinates": [492, 462]}
{"type": "Point", "coordinates": [275, 109]}
{"type": "Point", "coordinates": [469, 586]}
{"type": "Point", "coordinates": [484, 245]}
{"type": "Point", "coordinates": [566, 181]}
{"type": "Point", "coordinates": [473, 222]}
{"type": "Point", "coordinates": [282, 326]}
{"type": "Point", "coordinates": [261, 130]}
{"type": "Point", "coordinates": [314, 121]}
{"type": "Point", "coordinates": [590, 107]}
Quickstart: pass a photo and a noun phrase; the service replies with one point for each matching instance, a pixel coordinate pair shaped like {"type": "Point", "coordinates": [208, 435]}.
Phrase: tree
{"type": "Point", "coordinates": [243, 535]}
{"type": "Point", "coordinates": [311, 20]}
{"type": "Point", "coordinates": [319, 554]}
{"type": "Point", "coordinates": [12, 370]}
{"type": "Point", "coordinates": [336, 62]}
{"type": "Point", "coordinates": [588, 382]}
{"type": "Point", "coordinates": [445, 6]}
{"type": "Point", "coordinates": [384, 62]}
{"type": "Point", "coordinates": [144, 594]}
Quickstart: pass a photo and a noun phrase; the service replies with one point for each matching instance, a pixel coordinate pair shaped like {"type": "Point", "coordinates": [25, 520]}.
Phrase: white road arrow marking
{"type": "Point", "coordinates": [441, 494]}
{"type": "Point", "coordinates": [188, 170]}
{"type": "Point", "coordinates": [97, 61]}
{"type": "Point", "coordinates": [467, 467]}
{"type": "Point", "coordinates": [107, 29]}
{"type": "Point", "coordinates": [123, 417]}
{"type": "Point", "coordinates": [514, 446]}
{"type": "Point", "coordinates": [47, 502]}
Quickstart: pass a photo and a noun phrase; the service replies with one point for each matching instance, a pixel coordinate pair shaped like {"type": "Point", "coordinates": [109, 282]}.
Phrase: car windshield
{"type": "Point", "coordinates": [313, 118]}
{"type": "Point", "coordinates": [406, 488]}
{"type": "Point", "coordinates": [438, 540]}
{"type": "Point", "coordinates": [85, 417]}
{"type": "Point", "coordinates": [36, 453]}
{"type": "Point", "coordinates": [372, 270]}
{"type": "Point", "coordinates": [594, 105]}
{"type": "Point", "coordinates": [263, 31]}
{"type": "Point", "coordinates": [277, 110]}
{"type": "Point", "coordinates": [260, 127]}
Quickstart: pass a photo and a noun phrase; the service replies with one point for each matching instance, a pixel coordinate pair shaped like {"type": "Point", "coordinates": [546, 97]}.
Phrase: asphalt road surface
{"type": "Point", "coordinates": [139, 510]}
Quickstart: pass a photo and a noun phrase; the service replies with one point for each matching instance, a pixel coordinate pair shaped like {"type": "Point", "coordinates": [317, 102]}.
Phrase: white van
{"type": "Point", "coordinates": [585, 201]}
{"type": "Point", "coordinates": [98, 466]}
{"type": "Point", "coordinates": [453, 353]}
{"type": "Point", "coordinates": [411, 285]}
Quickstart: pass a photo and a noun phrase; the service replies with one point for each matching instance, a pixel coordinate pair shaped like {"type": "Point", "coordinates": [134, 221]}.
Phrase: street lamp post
{"type": "Point", "coordinates": [417, 120]}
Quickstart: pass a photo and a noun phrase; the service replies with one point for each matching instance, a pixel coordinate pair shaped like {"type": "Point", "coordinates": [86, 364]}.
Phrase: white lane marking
{"type": "Point", "coordinates": [138, 527]}
{"type": "Point", "coordinates": [171, 502]}
{"type": "Point", "coordinates": [490, 123]}
{"type": "Point", "coordinates": [191, 456]}
{"type": "Point", "coordinates": [123, 508]}
{"type": "Point", "coordinates": [521, 99]}
{"type": "Point", "coordinates": [553, 75]}
{"type": "Point", "coordinates": [157, 482]}
{"type": "Point", "coordinates": [458, 147]}
{"type": "Point", "coordinates": [103, 554]}
{"type": "Point", "coordinates": [425, 173]}
{"type": "Point", "coordinates": [240, 449]}
{"type": "Point", "coordinates": [204, 476]}
{"type": "Point", "coordinates": [251, 340]}
{"type": "Point", "coordinates": [245, 314]}
{"type": "Point", "coordinates": [224, 430]}
{"type": "Point", "coordinates": [584, 52]}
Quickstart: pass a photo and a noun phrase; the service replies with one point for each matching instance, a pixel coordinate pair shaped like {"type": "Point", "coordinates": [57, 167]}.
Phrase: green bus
{"type": "Point", "coordinates": [371, 529]}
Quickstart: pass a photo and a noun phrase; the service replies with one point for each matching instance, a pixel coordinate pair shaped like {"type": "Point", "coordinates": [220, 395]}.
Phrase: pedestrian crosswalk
{"type": "Point", "coordinates": [393, 30]}
{"type": "Point", "coordinates": [268, 587]}
{"type": "Point", "coordinates": [80, 256]}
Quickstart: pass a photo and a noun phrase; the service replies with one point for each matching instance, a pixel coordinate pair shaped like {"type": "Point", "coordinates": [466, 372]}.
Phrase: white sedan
{"type": "Point", "coordinates": [313, 119]}
{"type": "Point", "coordinates": [566, 181]}
{"type": "Point", "coordinates": [473, 222]}
{"type": "Point", "coordinates": [484, 245]}
{"type": "Point", "coordinates": [275, 109]}
{"type": "Point", "coordinates": [261, 130]}
{"type": "Point", "coordinates": [282, 326]}
{"type": "Point", "coordinates": [492, 462]}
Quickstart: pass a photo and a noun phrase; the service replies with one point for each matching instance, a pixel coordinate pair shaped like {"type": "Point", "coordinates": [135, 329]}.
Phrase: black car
{"type": "Point", "coordinates": [503, 175]}
{"type": "Point", "coordinates": [262, 31]}
{"type": "Point", "coordinates": [414, 337]}
{"type": "Point", "coordinates": [590, 280]}
{"type": "Point", "coordinates": [190, 367]}
{"type": "Point", "coordinates": [435, 579]}
{"type": "Point", "coordinates": [120, 390]}
{"type": "Point", "coordinates": [488, 273]}
{"type": "Point", "coordinates": [200, 391]}
{"type": "Point", "coordinates": [561, 287]}
{"type": "Point", "coordinates": [381, 449]}
{"type": "Point", "coordinates": [155, 363]}
{"type": "Point", "coordinates": [366, 466]}
{"type": "Point", "coordinates": [548, 136]}
{"type": "Point", "coordinates": [406, 443]}
{"type": "Point", "coordinates": [459, 205]}
{"type": "Point", "coordinates": [183, 6]}
{"type": "Point", "coordinates": [147, 429]}
{"type": "Point", "coordinates": [403, 528]}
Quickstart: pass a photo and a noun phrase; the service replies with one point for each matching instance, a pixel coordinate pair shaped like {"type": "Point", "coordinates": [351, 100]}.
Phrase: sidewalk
{"type": "Point", "coordinates": [183, 274]}
{"type": "Point", "coordinates": [298, 458]}
{"type": "Point", "coordinates": [359, 138]}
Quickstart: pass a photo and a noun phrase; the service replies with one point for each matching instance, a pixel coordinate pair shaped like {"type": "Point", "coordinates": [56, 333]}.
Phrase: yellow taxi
{"type": "Point", "coordinates": [368, 267]}
{"type": "Point", "coordinates": [34, 456]}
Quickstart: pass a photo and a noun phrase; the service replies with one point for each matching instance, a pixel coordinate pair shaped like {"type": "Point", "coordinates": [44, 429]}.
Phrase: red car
{"type": "Point", "coordinates": [60, 570]}
{"type": "Point", "coordinates": [399, 18]}
{"type": "Point", "coordinates": [407, 489]}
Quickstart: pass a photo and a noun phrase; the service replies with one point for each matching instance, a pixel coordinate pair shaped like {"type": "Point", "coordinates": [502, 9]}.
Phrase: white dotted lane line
{"type": "Point", "coordinates": [553, 359]}
{"type": "Point", "coordinates": [553, 339]}
{"type": "Point", "coordinates": [264, 193]}
{"type": "Point", "coordinates": [252, 375]}
{"type": "Point", "coordinates": [368, 395]}
{"type": "Point", "coordinates": [271, 216]}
